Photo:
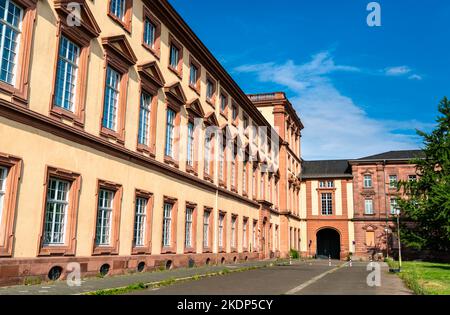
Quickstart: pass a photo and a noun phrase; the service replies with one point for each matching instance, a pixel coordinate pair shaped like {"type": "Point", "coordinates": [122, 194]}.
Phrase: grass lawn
{"type": "Point", "coordinates": [426, 278]}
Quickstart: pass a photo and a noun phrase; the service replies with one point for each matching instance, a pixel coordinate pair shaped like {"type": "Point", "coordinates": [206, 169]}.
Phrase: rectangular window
{"type": "Point", "coordinates": [208, 146]}
{"type": "Point", "coordinates": [144, 118]}
{"type": "Point", "coordinates": [67, 74]}
{"type": "Point", "coordinates": [223, 103]}
{"type": "Point", "coordinates": [233, 232]}
{"type": "Point", "coordinates": [393, 181]}
{"type": "Point", "coordinates": [10, 31]}
{"type": "Point", "coordinates": [277, 238]}
{"type": "Point", "coordinates": [188, 228]}
{"type": "Point", "coordinates": [368, 206]}
{"type": "Point", "coordinates": [254, 184]}
{"type": "Point", "coordinates": [255, 246]}
{"type": "Point", "coordinates": [412, 178]}
{"type": "Point", "coordinates": [244, 177]}
{"type": "Point", "coordinates": [209, 90]}
{"type": "Point", "coordinates": [193, 77]}
{"type": "Point", "coordinates": [104, 217]}
{"type": "Point", "coordinates": [327, 204]}
{"type": "Point", "coordinates": [394, 205]}
{"type": "Point", "coordinates": [206, 217]}
{"type": "Point", "coordinates": [233, 173]}
{"type": "Point", "coordinates": [56, 212]}
{"type": "Point", "coordinates": [222, 164]}
{"type": "Point", "coordinates": [167, 225]}
{"type": "Point", "coordinates": [190, 145]}
{"type": "Point", "coordinates": [235, 112]}
{"type": "Point", "coordinates": [149, 33]}
{"type": "Point", "coordinates": [367, 181]}
{"type": "Point", "coordinates": [170, 122]}
{"type": "Point", "coordinates": [3, 176]}
{"type": "Point", "coordinates": [370, 238]}
{"type": "Point", "coordinates": [244, 233]}
{"type": "Point", "coordinates": [111, 102]}
{"type": "Point", "coordinates": [245, 122]}
{"type": "Point", "coordinates": [174, 57]}
{"type": "Point", "coordinates": [117, 8]}
{"type": "Point", "coordinates": [139, 221]}
{"type": "Point", "coordinates": [262, 186]}
{"type": "Point", "coordinates": [221, 230]}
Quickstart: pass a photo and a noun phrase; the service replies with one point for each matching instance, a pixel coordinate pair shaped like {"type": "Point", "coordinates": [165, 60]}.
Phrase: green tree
{"type": "Point", "coordinates": [427, 200]}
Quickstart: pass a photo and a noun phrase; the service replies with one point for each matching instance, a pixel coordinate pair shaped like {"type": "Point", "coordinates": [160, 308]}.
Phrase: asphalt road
{"type": "Point", "coordinates": [304, 278]}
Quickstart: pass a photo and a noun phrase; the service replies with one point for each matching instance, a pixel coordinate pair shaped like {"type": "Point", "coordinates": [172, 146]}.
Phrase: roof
{"type": "Point", "coordinates": [326, 169]}
{"type": "Point", "coordinates": [394, 155]}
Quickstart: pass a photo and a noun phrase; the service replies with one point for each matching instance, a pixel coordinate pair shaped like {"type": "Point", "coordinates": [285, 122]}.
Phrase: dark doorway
{"type": "Point", "coordinates": [328, 244]}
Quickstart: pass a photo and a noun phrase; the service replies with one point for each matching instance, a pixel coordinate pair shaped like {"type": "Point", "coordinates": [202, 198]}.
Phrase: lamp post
{"type": "Point", "coordinates": [399, 242]}
{"type": "Point", "coordinates": [386, 229]}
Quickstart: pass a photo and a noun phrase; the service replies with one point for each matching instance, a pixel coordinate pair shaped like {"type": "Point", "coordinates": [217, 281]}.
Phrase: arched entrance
{"type": "Point", "coordinates": [328, 244]}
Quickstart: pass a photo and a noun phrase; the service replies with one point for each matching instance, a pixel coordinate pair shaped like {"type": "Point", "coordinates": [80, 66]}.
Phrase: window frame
{"type": "Point", "coordinates": [329, 203]}
{"type": "Point", "coordinates": [121, 62]}
{"type": "Point", "coordinates": [372, 212]}
{"type": "Point", "coordinates": [224, 96]}
{"type": "Point", "coordinates": [14, 168]}
{"type": "Point", "coordinates": [197, 87]}
{"type": "Point", "coordinates": [126, 21]}
{"type": "Point", "coordinates": [193, 248]}
{"type": "Point", "coordinates": [393, 201]}
{"type": "Point", "coordinates": [367, 178]}
{"type": "Point", "coordinates": [235, 108]}
{"type": "Point", "coordinates": [156, 49]}
{"type": "Point", "coordinates": [211, 100]}
{"type": "Point", "coordinates": [113, 247]}
{"type": "Point", "coordinates": [150, 84]}
{"type": "Point", "coordinates": [207, 246]}
{"type": "Point", "coordinates": [146, 249]}
{"type": "Point", "coordinates": [234, 242]}
{"type": "Point", "coordinates": [222, 248]}
{"type": "Point", "coordinates": [392, 183]}
{"type": "Point", "coordinates": [81, 36]}
{"type": "Point", "coordinates": [18, 93]}
{"type": "Point", "coordinates": [69, 246]}
{"type": "Point", "coordinates": [178, 71]}
{"type": "Point", "coordinates": [172, 248]}
{"type": "Point", "coordinates": [245, 234]}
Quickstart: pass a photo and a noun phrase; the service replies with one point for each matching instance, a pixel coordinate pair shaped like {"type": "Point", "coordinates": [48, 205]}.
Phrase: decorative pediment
{"type": "Point", "coordinates": [175, 93]}
{"type": "Point", "coordinates": [211, 120]}
{"type": "Point", "coordinates": [151, 76]}
{"type": "Point", "coordinates": [78, 12]}
{"type": "Point", "coordinates": [194, 108]}
{"type": "Point", "coordinates": [120, 46]}
{"type": "Point", "coordinates": [370, 228]}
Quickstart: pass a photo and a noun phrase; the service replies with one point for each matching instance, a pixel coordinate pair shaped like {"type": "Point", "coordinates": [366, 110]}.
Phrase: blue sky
{"type": "Point", "coordinates": [358, 90]}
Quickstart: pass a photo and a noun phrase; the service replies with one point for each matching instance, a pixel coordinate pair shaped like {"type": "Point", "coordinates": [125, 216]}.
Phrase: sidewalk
{"type": "Point", "coordinates": [95, 284]}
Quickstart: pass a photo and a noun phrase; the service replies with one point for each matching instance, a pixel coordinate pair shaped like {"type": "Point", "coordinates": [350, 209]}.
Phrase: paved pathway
{"type": "Point", "coordinates": [303, 278]}
{"type": "Point", "coordinates": [94, 284]}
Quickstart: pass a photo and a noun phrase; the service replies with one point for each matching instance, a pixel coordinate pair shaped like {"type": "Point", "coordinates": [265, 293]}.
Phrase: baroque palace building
{"type": "Point", "coordinates": [107, 158]}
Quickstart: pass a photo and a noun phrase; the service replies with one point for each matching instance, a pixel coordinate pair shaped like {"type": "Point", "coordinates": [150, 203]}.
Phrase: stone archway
{"type": "Point", "coordinates": [328, 244]}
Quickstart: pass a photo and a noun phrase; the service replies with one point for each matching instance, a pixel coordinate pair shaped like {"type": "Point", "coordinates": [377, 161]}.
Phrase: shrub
{"type": "Point", "coordinates": [294, 254]}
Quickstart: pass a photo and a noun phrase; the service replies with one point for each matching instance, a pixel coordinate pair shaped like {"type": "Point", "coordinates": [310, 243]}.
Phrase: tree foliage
{"type": "Point", "coordinates": [427, 200]}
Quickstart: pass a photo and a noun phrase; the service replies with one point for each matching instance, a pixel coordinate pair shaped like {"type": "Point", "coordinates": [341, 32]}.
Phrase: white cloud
{"type": "Point", "coordinates": [397, 71]}
{"type": "Point", "coordinates": [415, 77]}
{"type": "Point", "coordinates": [335, 127]}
